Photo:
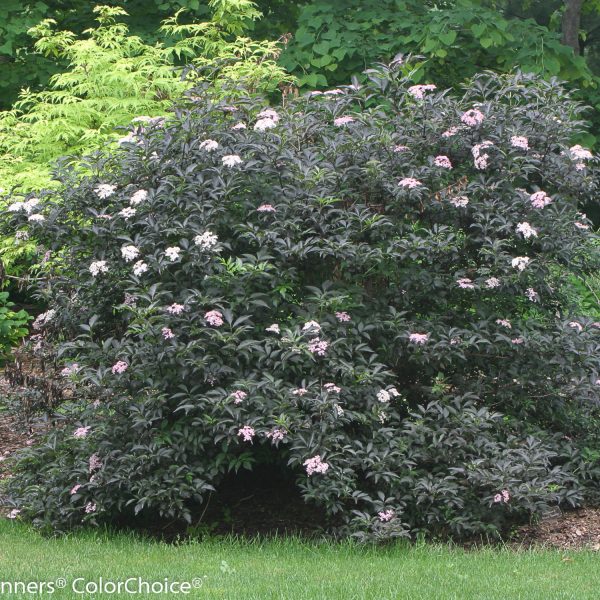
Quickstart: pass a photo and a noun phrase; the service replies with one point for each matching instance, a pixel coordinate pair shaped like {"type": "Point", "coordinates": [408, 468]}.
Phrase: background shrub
{"type": "Point", "coordinates": [372, 281]}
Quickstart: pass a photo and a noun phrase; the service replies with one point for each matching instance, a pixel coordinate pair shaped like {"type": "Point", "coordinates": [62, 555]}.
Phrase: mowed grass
{"type": "Point", "coordinates": [295, 569]}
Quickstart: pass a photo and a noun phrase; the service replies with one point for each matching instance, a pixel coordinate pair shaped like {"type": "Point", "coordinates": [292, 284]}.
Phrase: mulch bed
{"type": "Point", "coordinates": [573, 530]}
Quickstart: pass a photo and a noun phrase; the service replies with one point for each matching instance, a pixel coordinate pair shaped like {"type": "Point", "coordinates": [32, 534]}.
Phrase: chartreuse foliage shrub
{"type": "Point", "coordinates": [368, 286]}
{"type": "Point", "coordinates": [113, 77]}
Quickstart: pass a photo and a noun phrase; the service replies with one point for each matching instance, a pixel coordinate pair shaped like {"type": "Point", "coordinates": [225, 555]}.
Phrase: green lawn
{"type": "Point", "coordinates": [294, 569]}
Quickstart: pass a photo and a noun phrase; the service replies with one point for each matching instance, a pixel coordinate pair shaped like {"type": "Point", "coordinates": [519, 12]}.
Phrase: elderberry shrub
{"type": "Point", "coordinates": [372, 282]}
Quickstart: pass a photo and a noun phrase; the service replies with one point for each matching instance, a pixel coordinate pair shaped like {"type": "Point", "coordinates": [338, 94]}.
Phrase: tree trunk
{"type": "Point", "coordinates": [570, 24]}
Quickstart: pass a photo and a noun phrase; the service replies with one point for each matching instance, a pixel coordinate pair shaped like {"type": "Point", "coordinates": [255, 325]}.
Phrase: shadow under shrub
{"type": "Point", "coordinates": [373, 280]}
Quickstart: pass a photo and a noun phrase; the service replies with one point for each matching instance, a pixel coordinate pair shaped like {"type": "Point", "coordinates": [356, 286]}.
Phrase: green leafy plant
{"type": "Point", "coordinates": [13, 326]}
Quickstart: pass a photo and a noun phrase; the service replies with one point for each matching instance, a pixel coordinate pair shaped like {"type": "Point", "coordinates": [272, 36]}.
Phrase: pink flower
{"type": "Point", "coordinates": [90, 507]}
{"type": "Point", "coordinates": [239, 396]}
{"type": "Point", "coordinates": [247, 433]}
{"type": "Point", "coordinates": [580, 153]}
{"type": "Point", "coordinates": [519, 141]}
{"type": "Point", "coordinates": [472, 117]}
{"type": "Point", "coordinates": [214, 318]}
{"type": "Point", "coordinates": [299, 391]}
{"type": "Point", "coordinates": [273, 328]}
{"type": "Point", "coordinates": [452, 131]}
{"type": "Point", "coordinates": [532, 294]}
{"type": "Point", "coordinates": [418, 91]}
{"type": "Point", "coordinates": [409, 182]}
{"type": "Point", "coordinates": [481, 158]}
{"type": "Point", "coordinates": [442, 161]}
{"type": "Point", "coordinates": [526, 230]}
{"type": "Point", "coordinates": [209, 145]}
{"type": "Point", "coordinates": [520, 262]}
{"type": "Point", "coordinates": [266, 208]}
{"type": "Point", "coordinates": [576, 325]}
{"type": "Point", "coordinates": [75, 489]}
{"type": "Point", "coordinates": [418, 338]}
{"type": "Point", "coordinates": [14, 513]}
{"type": "Point", "coordinates": [268, 113]}
{"type": "Point", "coordinates": [264, 124]}
{"type": "Point", "coordinates": [332, 388]}
{"type": "Point", "coordinates": [343, 317]}
{"type": "Point", "coordinates": [81, 432]}
{"type": "Point", "coordinates": [175, 309]}
{"type": "Point", "coordinates": [581, 225]}
{"type": "Point", "coordinates": [239, 126]}
{"type": "Point", "coordinates": [459, 201]}
{"type": "Point", "coordinates": [504, 322]}
{"type": "Point", "coordinates": [497, 498]}
{"type": "Point", "coordinates": [276, 434]}
{"type": "Point", "coordinates": [70, 370]}
{"type": "Point", "coordinates": [503, 497]}
{"type": "Point", "coordinates": [385, 515]}
{"type": "Point", "coordinates": [119, 367]}
{"type": "Point", "coordinates": [318, 346]}
{"type": "Point", "coordinates": [492, 282]}
{"type": "Point", "coordinates": [517, 341]}
{"type": "Point", "coordinates": [465, 283]}
{"type": "Point", "coordinates": [400, 148]}
{"type": "Point", "coordinates": [343, 121]}
{"type": "Point", "coordinates": [311, 325]}
{"type": "Point", "coordinates": [167, 333]}
{"type": "Point", "coordinates": [540, 199]}
{"type": "Point", "coordinates": [315, 465]}
{"type": "Point", "coordinates": [94, 463]}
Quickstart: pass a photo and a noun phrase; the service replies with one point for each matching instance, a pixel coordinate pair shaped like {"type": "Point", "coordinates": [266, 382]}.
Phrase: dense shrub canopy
{"type": "Point", "coordinates": [366, 285]}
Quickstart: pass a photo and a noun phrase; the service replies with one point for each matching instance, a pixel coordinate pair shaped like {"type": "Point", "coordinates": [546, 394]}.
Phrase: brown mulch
{"type": "Point", "coordinates": [574, 530]}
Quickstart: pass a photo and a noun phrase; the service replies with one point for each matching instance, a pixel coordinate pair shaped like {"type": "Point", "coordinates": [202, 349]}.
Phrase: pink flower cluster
{"type": "Point", "coordinates": [90, 507]}
{"type": "Point", "coordinates": [94, 463]}
{"type": "Point", "coordinates": [342, 317]}
{"type": "Point", "coordinates": [481, 158]}
{"type": "Point", "coordinates": [418, 91]}
{"type": "Point", "coordinates": [81, 432]}
{"type": "Point", "coordinates": [318, 346]}
{"type": "Point", "coordinates": [266, 208]}
{"type": "Point", "coordinates": [277, 434]}
{"type": "Point", "coordinates": [519, 141]}
{"type": "Point", "coordinates": [540, 199]}
{"type": "Point", "coordinates": [409, 182]}
{"type": "Point", "coordinates": [332, 388]}
{"type": "Point", "coordinates": [239, 396]}
{"type": "Point", "coordinates": [472, 117]}
{"type": "Point", "coordinates": [75, 489]}
{"type": "Point", "coordinates": [343, 121]}
{"type": "Point", "coordinates": [175, 309]}
{"type": "Point", "coordinates": [504, 322]}
{"type": "Point", "coordinates": [299, 391]}
{"type": "Point", "coordinates": [418, 338]}
{"type": "Point", "coordinates": [273, 328]}
{"type": "Point", "coordinates": [502, 497]}
{"type": "Point", "coordinates": [119, 367]}
{"type": "Point", "coordinates": [315, 465]}
{"type": "Point", "coordinates": [442, 161]}
{"type": "Point", "coordinates": [214, 318]}
{"type": "Point", "coordinates": [465, 283]}
{"type": "Point", "coordinates": [247, 433]}
{"type": "Point", "coordinates": [385, 515]}
{"type": "Point", "coordinates": [167, 333]}
{"type": "Point", "coordinates": [526, 230]}
{"type": "Point", "coordinates": [452, 131]}
{"type": "Point", "coordinates": [492, 282]}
